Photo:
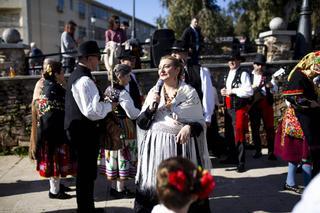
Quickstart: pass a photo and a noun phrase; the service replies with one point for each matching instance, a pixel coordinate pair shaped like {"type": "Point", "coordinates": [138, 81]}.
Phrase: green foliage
{"type": "Point", "coordinates": [212, 22]}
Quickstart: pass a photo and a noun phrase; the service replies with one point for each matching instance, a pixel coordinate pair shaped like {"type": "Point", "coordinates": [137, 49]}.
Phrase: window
{"type": "Point", "coordinates": [99, 13]}
{"type": "Point", "coordinates": [99, 33]}
{"type": "Point", "coordinates": [82, 32]}
{"type": "Point", "coordinates": [61, 26]}
{"type": "Point", "coordinates": [82, 9]}
{"type": "Point", "coordinates": [71, 4]}
{"type": "Point", "coordinates": [60, 5]}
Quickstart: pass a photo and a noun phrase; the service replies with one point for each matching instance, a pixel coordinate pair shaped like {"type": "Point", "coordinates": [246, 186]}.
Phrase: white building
{"type": "Point", "coordinates": [42, 21]}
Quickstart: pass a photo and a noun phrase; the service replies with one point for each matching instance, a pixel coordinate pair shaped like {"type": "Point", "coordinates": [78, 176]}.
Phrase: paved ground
{"type": "Point", "coordinates": [259, 189]}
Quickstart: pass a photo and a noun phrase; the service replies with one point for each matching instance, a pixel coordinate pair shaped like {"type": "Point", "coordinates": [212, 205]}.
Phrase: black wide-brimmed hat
{"type": "Point", "coordinates": [126, 54]}
{"type": "Point", "coordinates": [178, 46]}
{"type": "Point", "coordinates": [235, 55]}
{"type": "Point", "coordinates": [89, 48]}
{"type": "Point", "coordinates": [260, 59]}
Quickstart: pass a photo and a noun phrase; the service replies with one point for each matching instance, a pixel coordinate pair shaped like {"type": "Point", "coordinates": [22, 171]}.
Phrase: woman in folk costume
{"type": "Point", "coordinates": [51, 149]}
{"type": "Point", "coordinates": [121, 163]}
{"type": "Point", "coordinates": [171, 124]}
{"type": "Point", "coordinates": [297, 138]}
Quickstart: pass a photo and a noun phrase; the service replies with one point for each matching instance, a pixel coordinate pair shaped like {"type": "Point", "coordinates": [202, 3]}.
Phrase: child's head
{"type": "Point", "coordinates": [179, 183]}
{"type": "Point", "coordinates": [122, 74]}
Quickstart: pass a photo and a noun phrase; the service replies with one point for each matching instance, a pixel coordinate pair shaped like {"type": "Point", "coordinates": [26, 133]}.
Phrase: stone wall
{"type": "Point", "coordinates": [16, 95]}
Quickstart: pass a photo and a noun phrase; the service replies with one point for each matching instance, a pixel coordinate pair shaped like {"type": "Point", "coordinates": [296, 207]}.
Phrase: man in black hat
{"type": "Point", "coordinates": [84, 108]}
{"type": "Point", "coordinates": [261, 106]}
{"type": "Point", "coordinates": [237, 92]}
{"type": "Point", "coordinates": [198, 77]}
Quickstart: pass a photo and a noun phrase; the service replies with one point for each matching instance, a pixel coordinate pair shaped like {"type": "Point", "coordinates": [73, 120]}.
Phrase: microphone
{"type": "Point", "coordinates": [157, 90]}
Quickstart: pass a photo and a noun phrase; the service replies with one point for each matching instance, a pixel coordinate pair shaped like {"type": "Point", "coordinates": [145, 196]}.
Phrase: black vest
{"type": "Point", "coordinates": [237, 102]}
{"type": "Point", "coordinates": [134, 93]}
{"type": "Point", "coordinates": [72, 111]}
{"type": "Point", "coordinates": [192, 77]}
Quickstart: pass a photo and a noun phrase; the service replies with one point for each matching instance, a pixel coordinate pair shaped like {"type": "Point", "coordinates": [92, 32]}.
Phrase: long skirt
{"type": "Point", "coordinates": [121, 163]}
{"type": "Point", "coordinates": [289, 148]}
{"type": "Point", "coordinates": [55, 161]}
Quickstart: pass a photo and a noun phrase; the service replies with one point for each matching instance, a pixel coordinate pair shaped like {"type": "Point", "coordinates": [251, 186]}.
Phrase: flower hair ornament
{"type": "Point", "coordinates": [203, 182]}
{"type": "Point", "coordinates": [48, 69]}
{"type": "Point", "coordinates": [177, 180]}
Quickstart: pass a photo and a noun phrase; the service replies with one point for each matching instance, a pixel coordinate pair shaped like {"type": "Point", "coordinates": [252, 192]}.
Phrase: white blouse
{"type": "Point", "coordinates": [127, 104]}
{"type": "Point", "coordinates": [245, 89]}
{"type": "Point", "coordinates": [87, 97]}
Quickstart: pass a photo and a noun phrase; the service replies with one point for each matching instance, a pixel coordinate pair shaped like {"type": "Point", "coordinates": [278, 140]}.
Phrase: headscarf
{"type": "Point", "coordinates": [306, 65]}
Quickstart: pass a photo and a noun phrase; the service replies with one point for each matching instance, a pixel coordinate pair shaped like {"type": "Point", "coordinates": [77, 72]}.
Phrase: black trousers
{"type": "Point", "coordinates": [86, 144]}
{"type": "Point", "coordinates": [309, 121]}
{"type": "Point", "coordinates": [214, 140]}
{"type": "Point", "coordinates": [234, 150]}
{"type": "Point", "coordinates": [256, 114]}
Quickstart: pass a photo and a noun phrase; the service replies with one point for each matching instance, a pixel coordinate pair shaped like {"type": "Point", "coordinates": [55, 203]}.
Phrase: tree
{"type": "Point", "coordinates": [254, 16]}
{"type": "Point", "coordinates": [212, 22]}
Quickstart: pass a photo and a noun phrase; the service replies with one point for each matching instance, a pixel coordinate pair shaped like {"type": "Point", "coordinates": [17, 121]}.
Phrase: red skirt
{"type": "Point", "coordinates": [289, 148]}
{"type": "Point", "coordinates": [55, 163]}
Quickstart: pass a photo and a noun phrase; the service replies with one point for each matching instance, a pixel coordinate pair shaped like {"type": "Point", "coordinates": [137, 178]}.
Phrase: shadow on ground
{"type": "Point", "coordinates": [109, 210]}
{"type": "Point", "coordinates": [23, 187]}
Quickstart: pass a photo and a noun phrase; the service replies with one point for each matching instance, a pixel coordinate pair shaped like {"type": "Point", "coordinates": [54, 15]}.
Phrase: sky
{"type": "Point", "coordinates": [146, 10]}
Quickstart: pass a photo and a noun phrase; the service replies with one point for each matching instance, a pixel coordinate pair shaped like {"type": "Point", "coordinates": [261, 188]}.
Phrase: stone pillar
{"type": "Point", "coordinates": [277, 40]}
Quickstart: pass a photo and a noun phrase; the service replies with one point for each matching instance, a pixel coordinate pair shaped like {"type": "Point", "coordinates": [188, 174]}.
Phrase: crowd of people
{"type": "Point", "coordinates": [163, 140]}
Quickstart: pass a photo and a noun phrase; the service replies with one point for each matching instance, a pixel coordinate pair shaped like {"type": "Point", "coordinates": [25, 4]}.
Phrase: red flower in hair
{"type": "Point", "coordinates": [177, 179]}
{"type": "Point", "coordinates": [207, 185]}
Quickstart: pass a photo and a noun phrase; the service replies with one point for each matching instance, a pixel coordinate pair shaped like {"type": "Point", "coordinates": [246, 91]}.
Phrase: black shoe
{"type": "Point", "coordinates": [240, 168]}
{"type": "Point", "coordinates": [64, 188]}
{"type": "Point", "coordinates": [271, 156]}
{"type": "Point", "coordinates": [257, 155]}
{"type": "Point", "coordinates": [295, 189]}
{"type": "Point", "coordinates": [115, 194]}
{"type": "Point", "coordinates": [229, 160]}
{"type": "Point", "coordinates": [60, 195]}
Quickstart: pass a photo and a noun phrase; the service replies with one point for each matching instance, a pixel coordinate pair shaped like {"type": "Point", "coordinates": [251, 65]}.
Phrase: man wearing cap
{"type": "Point", "coordinates": [84, 110]}
{"type": "Point", "coordinates": [237, 91]}
{"type": "Point", "coordinates": [261, 106]}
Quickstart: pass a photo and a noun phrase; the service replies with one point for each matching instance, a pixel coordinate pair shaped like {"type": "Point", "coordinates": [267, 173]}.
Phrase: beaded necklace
{"type": "Point", "coordinates": [168, 100]}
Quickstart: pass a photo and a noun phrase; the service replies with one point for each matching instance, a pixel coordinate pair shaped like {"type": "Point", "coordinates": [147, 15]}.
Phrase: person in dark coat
{"type": "Point", "coordinates": [192, 38]}
{"type": "Point", "coordinates": [85, 109]}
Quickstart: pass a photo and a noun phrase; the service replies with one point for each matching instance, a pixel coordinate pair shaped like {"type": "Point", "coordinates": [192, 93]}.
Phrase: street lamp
{"type": "Point", "coordinates": [133, 20]}
{"type": "Point", "coordinates": [93, 22]}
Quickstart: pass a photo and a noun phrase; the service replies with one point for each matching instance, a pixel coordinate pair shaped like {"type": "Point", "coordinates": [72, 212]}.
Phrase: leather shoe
{"type": "Point", "coordinates": [240, 168]}
{"type": "Point", "coordinates": [64, 188]}
{"type": "Point", "coordinates": [294, 188]}
{"type": "Point", "coordinates": [271, 156]}
{"type": "Point", "coordinates": [257, 155]}
{"type": "Point", "coordinates": [61, 195]}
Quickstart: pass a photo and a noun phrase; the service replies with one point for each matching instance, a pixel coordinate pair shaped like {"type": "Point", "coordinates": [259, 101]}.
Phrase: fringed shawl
{"type": "Point", "coordinates": [159, 142]}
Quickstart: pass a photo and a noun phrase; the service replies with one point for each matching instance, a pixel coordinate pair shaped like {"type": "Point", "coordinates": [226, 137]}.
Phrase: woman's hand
{"type": "Point", "coordinates": [155, 99]}
{"type": "Point", "coordinates": [184, 134]}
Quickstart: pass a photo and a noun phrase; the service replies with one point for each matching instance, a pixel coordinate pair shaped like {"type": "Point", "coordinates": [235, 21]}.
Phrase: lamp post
{"type": "Point", "coordinates": [303, 39]}
{"type": "Point", "coordinates": [133, 20]}
{"type": "Point", "coordinates": [93, 22]}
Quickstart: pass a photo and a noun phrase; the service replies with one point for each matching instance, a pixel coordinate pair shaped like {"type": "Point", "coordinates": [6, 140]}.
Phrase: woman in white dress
{"type": "Point", "coordinates": [177, 129]}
